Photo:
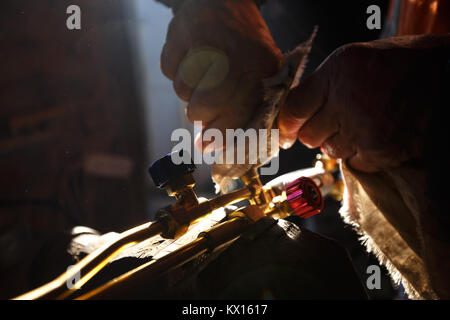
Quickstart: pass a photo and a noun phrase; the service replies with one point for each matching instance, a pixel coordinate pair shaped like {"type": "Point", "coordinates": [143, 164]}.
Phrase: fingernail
{"type": "Point", "coordinates": [285, 144]}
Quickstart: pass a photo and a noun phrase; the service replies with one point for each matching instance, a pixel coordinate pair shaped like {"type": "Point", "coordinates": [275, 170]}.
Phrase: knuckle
{"type": "Point", "coordinates": [181, 89]}
{"type": "Point", "coordinates": [171, 28]}
{"type": "Point", "coordinates": [198, 111]}
{"type": "Point", "coordinates": [338, 146]}
{"type": "Point", "coordinates": [165, 64]}
{"type": "Point", "coordinates": [332, 149]}
{"type": "Point", "coordinates": [350, 50]}
{"type": "Point", "coordinates": [191, 113]}
{"type": "Point", "coordinates": [343, 59]}
{"type": "Point", "coordinates": [345, 63]}
{"type": "Point", "coordinates": [307, 138]}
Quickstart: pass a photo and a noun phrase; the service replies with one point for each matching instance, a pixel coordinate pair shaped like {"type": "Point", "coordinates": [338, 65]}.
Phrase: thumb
{"type": "Point", "coordinates": [301, 104]}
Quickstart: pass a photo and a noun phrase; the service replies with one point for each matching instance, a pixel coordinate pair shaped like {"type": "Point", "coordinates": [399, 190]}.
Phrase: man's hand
{"type": "Point", "coordinates": [369, 103]}
{"type": "Point", "coordinates": [217, 52]}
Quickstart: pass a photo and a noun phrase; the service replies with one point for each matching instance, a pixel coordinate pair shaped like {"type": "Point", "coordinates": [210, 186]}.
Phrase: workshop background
{"type": "Point", "coordinates": [84, 112]}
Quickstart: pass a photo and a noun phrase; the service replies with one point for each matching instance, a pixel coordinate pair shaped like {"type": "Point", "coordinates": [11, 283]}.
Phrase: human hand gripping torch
{"type": "Point", "coordinates": [300, 193]}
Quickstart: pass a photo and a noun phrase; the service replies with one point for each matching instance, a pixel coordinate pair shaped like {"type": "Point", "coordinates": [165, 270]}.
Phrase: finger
{"type": "Point", "coordinates": [213, 136]}
{"type": "Point", "coordinates": [171, 57]}
{"type": "Point", "coordinates": [360, 163]}
{"type": "Point", "coordinates": [321, 126]}
{"type": "Point", "coordinates": [338, 147]}
{"type": "Point", "coordinates": [228, 117]}
{"type": "Point", "coordinates": [205, 70]}
{"type": "Point", "coordinates": [183, 91]}
{"type": "Point", "coordinates": [302, 102]}
{"type": "Point", "coordinates": [175, 48]}
{"type": "Point", "coordinates": [234, 103]}
{"type": "Point", "coordinates": [200, 109]}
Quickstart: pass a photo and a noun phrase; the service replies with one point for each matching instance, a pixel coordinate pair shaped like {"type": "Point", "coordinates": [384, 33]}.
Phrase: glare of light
{"type": "Point", "coordinates": [277, 199]}
{"type": "Point", "coordinates": [434, 6]}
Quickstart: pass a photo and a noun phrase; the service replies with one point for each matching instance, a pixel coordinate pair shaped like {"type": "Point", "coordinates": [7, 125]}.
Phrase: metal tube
{"type": "Point", "coordinates": [213, 238]}
{"type": "Point", "coordinates": [204, 208]}
{"type": "Point", "coordinates": [95, 261]}
{"type": "Point", "coordinates": [183, 215]}
{"type": "Point", "coordinates": [92, 263]}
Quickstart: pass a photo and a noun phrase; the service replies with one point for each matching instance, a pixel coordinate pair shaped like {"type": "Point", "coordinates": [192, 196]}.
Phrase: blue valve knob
{"type": "Point", "coordinates": [164, 170]}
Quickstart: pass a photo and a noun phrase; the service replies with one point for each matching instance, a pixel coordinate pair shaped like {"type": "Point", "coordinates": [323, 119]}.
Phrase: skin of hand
{"type": "Point", "coordinates": [216, 53]}
{"type": "Point", "coordinates": [369, 103]}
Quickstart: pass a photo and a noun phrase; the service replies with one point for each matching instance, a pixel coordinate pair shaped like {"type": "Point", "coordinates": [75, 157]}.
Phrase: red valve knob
{"type": "Point", "coordinates": [304, 197]}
